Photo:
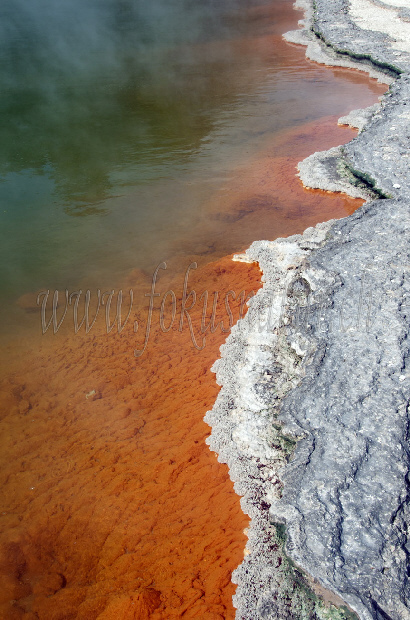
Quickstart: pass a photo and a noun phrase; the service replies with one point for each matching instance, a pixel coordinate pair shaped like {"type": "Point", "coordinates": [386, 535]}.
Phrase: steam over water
{"type": "Point", "coordinates": [120, 119]}
{"type": "Point", "coordinates": [97, 96]}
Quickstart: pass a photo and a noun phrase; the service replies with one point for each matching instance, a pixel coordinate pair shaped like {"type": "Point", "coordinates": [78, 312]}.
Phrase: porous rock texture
{"type": "Point", "coordinates": [313, 415]}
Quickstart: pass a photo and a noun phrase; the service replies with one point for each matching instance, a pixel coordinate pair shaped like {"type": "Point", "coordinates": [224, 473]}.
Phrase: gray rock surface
{"type": "Point", "coordinates": [380, 154]}
{"type": "Point", "coordinates": [313, 416]}
{"type": "Point", "coordinates": [345, 498]}
{"type": "Point", "coordinates": [330, 171]}
{"type": "Point", "coordinates": [333, 24]}
{"type": "Point", "coordinates": [359, 118]}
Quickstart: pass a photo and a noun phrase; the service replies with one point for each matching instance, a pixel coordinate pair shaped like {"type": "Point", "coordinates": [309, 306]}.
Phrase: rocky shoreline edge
{"type": "Point", "coordinates": [313, 415]}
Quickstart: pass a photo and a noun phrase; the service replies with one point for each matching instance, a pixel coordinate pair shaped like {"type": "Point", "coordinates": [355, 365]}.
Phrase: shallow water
{"type": "Point", "coordinates": [113, 506]}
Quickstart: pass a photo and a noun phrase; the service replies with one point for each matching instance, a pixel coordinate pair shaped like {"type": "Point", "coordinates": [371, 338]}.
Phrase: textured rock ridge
{"type": "Point", "coordinates": [377, 161]}
{"type": "Point", "coordinates": [322, 357]}
{"type": "Point", "coordinates": [260, 364]}
{"type": "Point", "coordinates": [313, 415]}
{"type": "Point", "coordinates": [345, 498]}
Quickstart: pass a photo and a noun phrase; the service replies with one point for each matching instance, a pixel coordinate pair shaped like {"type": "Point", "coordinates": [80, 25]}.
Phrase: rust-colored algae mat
{"type": "Point", "coordinates": [113, 507]}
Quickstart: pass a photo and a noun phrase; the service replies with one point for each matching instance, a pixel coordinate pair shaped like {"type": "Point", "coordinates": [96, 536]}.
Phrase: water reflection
{"type": "Point", "coordinates": [91, 87]}
{"type": "Point", "coordinates": [122, 124]}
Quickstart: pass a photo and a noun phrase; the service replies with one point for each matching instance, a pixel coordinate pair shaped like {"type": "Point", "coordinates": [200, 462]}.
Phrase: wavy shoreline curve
{"type": "Point", "coordinates": [313, 415]}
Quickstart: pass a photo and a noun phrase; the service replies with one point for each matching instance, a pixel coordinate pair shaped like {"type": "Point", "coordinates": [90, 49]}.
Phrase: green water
{"type": "Point", "coordinates": [118, 121]}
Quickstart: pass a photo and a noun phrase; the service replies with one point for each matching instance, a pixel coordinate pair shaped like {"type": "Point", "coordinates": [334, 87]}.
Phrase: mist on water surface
{"type": "Point", "coordinates": [120, 119]}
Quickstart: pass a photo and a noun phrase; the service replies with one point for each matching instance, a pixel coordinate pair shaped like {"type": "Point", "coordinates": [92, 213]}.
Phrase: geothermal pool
{"type": "Point", "coordinates": [132, 137]}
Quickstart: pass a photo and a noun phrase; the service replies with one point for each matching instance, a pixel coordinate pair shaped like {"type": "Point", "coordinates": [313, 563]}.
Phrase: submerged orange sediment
{"type": "Point", "coordinates": [112, 500]}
